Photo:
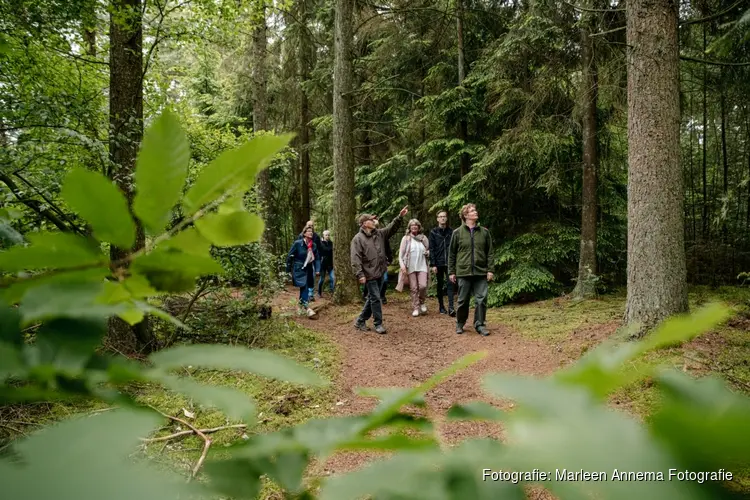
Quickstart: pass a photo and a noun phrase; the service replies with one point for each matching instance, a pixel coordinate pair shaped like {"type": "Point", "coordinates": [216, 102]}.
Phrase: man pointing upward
{"type": "Point", "coordinates": [369, 264]}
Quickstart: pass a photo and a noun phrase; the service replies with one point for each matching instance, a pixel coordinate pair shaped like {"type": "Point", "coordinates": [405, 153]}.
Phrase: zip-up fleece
{"type": "Point", "coordinates": [470, 254]}
{"type": "Point", "coordinates": [440, 240]}
{"type": "Point", "coordinates": [368, 251]}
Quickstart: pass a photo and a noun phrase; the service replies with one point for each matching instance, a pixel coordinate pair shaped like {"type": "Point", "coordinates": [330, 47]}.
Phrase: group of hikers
{"type": "Point", "coordinates": [460, 257]}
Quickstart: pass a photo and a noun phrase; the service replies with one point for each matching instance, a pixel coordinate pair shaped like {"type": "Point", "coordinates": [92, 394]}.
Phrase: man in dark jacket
{"type": "Point", "coordinates": [388, 260]}
{"type": "Point", "coordinates": [440, 241]}
{"type": "Point", "coordinates": [326, 262]}
{"type": "Point", "coordinates": [470, 261]}
{"type": "Point", "coordinates": [369, 264]}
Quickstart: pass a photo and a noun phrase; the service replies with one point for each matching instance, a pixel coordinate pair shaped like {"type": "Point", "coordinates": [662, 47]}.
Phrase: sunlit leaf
{"type": "Point", "coordinates": [160, 172]}
{"type": "Point", "coordinates": [236, 228]}
{"type": "Point", "coordinates": [66, 300]}
{"type": "Point", "coordinates": [233, 171]}
{"type": "Point", "coordinates": [50, 250]}
{"type": "Point", "coordinates": [100, 203]}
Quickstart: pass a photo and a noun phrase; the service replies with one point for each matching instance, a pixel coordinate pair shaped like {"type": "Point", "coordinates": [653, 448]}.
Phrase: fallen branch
{"type": "Point", "coordinates": [206, 440]}
{"type": "Point", "coordinates": [185, 433]}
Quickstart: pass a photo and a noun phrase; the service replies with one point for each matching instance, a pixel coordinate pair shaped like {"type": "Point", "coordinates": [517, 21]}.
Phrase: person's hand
{"type": "Point", "coordinates": [362, 280]}
{"type": "Point", "coordinates": [490, 276]}
{"type": "Point", "coordinates": [404, 211]}
{"type": "Point", "coordinates": [452, 277]}
{"type": "Point", "coordinates": [434, 270]}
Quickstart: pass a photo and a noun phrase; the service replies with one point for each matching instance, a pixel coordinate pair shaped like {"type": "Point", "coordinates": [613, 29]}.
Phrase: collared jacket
{"type": "Point", "coordinates": [316, 240]}
{"type": "Point", "coordinates": [368, 251]}
{"type": "Point", "coordinates": [440, 241]}
{"type": "Point", "coordinates": [326, 255]}
{"type": "Point", "coordinates": [470, 252]}
{"type": "Point", "coordinates": [296, 259]}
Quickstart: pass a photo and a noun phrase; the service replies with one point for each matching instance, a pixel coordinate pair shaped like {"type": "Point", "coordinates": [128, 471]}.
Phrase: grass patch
{"type": "Point", "coordinates": [555, 319]}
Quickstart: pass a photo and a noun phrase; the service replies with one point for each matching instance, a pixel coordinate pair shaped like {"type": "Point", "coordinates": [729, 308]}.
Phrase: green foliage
{"type": "Point", "coordinates": [98, 201]}
{"type": "Point", "coordinates": [160, 172]}
{"type": "Point", "coordinates": [560, 421]}
{"type": "Point", "coordinates": [526, 263]}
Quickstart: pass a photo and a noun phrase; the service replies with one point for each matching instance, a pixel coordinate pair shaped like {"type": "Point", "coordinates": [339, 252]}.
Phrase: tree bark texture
{"type": "Point", "coordinates": [260, 123]}
{"type": "Point", "coordinates": [586, 285]}
{"type": "Point", "coordinates": [126, 132]}
{"type": "Point", "coordinates": [657, 282]}
{"type": "Point", "coordinates": [344, 227]}
{"type": "Point", "coordinates": [463, 133]}
{"type": "Point", "coordinates": [305, 64]}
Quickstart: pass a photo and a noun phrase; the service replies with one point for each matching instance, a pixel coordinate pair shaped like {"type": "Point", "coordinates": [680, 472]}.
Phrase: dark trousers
{"type": "Point", "coordinates": [383, 288]}
{"type": "Point", "coordinates": [373, 306]}
{"type": "Point", "coordinates": [477, 286]}
{"type": "Point", "coordinates": [442, 281]}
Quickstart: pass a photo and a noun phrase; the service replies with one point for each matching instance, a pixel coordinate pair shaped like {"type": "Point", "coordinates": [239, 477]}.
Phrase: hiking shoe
{"type": "Point", "coordinates": [481, 330]}
{"type": "Point", "coordinates": [423, 309]}
{"type": "Point", "coordinates": [310, 313]}
{"type": "Point", "coordinates": [415, 313]}
{"type": "Point", "coordinates": [380, 329]}
{"type": "Point", "coordinates": [452, 312]}
{"type": "Point", "coordinates": [361, 325]}
{"type": "Point", "coordinates": [442, 310]}
{"type": "Point", "coordinates": [459, 329]}
{"type": "Point", "coordinates": [383, 300]}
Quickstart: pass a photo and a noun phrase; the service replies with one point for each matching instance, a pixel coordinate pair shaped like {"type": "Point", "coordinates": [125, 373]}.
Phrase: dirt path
{"type": "Point", "coordinates": [413, 350]}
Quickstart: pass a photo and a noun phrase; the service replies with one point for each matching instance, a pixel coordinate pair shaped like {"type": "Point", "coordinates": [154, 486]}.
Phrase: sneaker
{"type": "Point", "coordinates": [423, 309]}
{"type": "Point", "coordinates": [442, 310]}
{"type": "Point", "coordinates": [415, 313]}
{"type": "Point", "coordinates": [459, 329]}
{"type": "Point", "coordinates": [380, 329]}
{"type": "Point", "coordinates": [481, 330]}
{"type": "Point", "coordinates": [310, 313]}
{"type": "Point", "coordinates": [383, 300]}
{"type": "Point", "coordinates": [362, 326]}
{"type": "Point", "coordinates": [451, 312]}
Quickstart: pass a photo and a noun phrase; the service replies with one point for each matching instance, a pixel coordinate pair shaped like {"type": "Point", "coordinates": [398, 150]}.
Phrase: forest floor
{"type": "Point", "coordinates": [531, 339]}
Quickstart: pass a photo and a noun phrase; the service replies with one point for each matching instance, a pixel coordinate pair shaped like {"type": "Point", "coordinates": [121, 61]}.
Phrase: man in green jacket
{"type": "Point", "coordinates": [470, 261]}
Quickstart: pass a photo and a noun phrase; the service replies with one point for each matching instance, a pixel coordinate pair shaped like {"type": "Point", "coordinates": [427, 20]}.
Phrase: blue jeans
{"type": "Point", "coordinates": [304, 296]}
{"type": "Point", "coordinates": [331, 279]}
{"type": "Point", "coordinates": [311, 289]}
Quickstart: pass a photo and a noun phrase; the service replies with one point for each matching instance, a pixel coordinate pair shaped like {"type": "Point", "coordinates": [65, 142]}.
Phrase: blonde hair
{"type": "Point", "coordinates": [413, 222]}
{"type": "Point", "coordinates": [465, 210]}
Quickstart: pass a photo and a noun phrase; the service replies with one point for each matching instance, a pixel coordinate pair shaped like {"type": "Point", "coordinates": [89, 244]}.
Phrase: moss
{"type": "Point", "coordinates": [555, 319]}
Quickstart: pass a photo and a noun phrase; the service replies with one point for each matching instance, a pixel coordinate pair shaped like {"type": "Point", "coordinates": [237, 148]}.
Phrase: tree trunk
{"type": "Point", "coordinates": [343, 154]}
{"type": "Point", "coordinates": [705, 143]}
{"type": "Point", "coordinates": [657, 283]}
{"type": "Point", "coordinates": [586, 285]}
{"type": "Point", "coordinates": [724, 158]}
{"type": "Point", "coordinates": [463, 133]}
{"type": "Point", "coordinates": [126, 132]}
{"type": "Point", "coordinates": [260, 123]}
{"type": "Point", "coordinates": [305, 64]}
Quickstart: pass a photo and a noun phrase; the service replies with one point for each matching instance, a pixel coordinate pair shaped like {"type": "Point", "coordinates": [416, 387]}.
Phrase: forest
{"type": "Point", "coordinates": [159, 158]}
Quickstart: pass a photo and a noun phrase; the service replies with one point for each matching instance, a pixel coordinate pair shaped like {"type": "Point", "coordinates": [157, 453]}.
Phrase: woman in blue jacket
{"type": "Point", "coordinates": [301, 263]}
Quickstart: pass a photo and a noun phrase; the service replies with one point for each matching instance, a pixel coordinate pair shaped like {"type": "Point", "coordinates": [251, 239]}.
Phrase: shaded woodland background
{"type": "Point", "coordinates": [452, 101]}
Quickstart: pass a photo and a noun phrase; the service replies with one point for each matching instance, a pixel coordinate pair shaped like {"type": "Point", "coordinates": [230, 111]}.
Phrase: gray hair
{"type": "Point", "coordinates": [413, 222]}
